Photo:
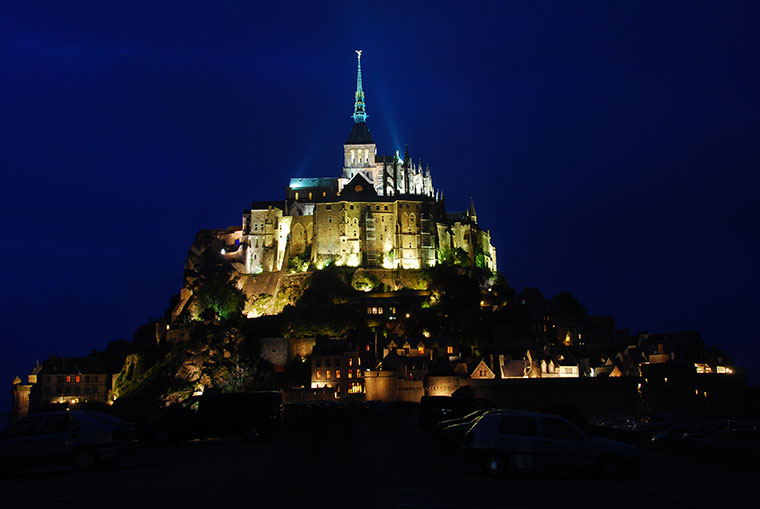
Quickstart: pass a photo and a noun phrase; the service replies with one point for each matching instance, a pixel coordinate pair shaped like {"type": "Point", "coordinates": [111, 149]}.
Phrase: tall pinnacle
{"type": "Point", "coordinates": [360, 114]}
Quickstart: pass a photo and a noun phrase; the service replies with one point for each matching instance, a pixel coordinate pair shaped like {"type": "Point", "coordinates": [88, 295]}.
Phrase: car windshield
{"type": "Point", "coordinates": [23, 428]}
{"type": "Point", "coordinates": [104, 418]}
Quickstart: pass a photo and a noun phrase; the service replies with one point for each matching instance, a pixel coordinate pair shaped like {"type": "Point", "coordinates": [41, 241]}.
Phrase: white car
{"type": "Point", "coordinates": [83, 438]}
{"type": "Point", "coordinates": [517, 440]}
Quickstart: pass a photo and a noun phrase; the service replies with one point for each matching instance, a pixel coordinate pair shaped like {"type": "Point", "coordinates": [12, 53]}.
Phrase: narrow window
{"type": "Point", "coordinates": [319, 375]}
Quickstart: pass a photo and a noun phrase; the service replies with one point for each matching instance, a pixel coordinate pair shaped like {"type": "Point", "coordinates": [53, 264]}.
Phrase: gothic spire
{"type": "Point", "coordinates": [471, 212]}
{"type": "Point", "coordinates": [360, 114]}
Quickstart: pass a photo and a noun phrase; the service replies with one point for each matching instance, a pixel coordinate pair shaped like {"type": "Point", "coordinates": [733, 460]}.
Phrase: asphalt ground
{"type": "Point", "coordinates": [379, 460]}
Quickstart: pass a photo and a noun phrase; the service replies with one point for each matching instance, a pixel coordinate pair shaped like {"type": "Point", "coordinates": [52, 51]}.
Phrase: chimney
{"type": "Point", "coordinates": [491, 362]}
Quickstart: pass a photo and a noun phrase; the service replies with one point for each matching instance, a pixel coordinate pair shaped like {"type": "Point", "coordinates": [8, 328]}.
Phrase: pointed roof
{"type": "Point", "coordinates": [471, 211]}
{"type": "Point", "coordinates": [487, 371]}
{"type": "Point", "coordinates": [359, 135]}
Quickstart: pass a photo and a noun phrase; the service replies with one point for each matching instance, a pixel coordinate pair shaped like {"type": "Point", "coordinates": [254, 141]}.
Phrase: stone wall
{"type": "Point", "coordinates": [301, 347]}
{"type": "Point", "coordinates": [274, 350]}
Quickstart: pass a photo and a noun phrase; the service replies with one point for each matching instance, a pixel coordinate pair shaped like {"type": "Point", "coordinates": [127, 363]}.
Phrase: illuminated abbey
{"type": "Point", "coordinates": [381, 212]}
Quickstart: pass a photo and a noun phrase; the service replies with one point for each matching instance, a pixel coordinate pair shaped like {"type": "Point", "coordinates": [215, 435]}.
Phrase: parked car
{"type": "Point", "coordinates": [434, 409]}
{"type": "Point", "coordinates": [82, 438]}
{"type": "Point", "coordinates": [452, 431]}
{"type": "Point", "coordinates": [683, 435]}
{"type": "Point", "coordinates": [503, 440]}
{"type": "Point", "coordinates": [252, 415]}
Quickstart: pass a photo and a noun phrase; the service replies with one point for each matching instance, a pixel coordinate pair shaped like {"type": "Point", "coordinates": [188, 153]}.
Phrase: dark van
{"type": "Point", "coordinates": [252, 415]}
{"type": "Point", "coordinates": [434, 409]}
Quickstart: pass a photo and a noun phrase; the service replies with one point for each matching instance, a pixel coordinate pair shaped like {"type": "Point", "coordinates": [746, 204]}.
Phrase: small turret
{"type": "Point", "coordinates": [471, 212]}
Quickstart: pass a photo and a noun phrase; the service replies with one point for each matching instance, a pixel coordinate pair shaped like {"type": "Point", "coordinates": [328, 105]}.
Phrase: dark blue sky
{"type": "Point", "coordinates": [611, 147]}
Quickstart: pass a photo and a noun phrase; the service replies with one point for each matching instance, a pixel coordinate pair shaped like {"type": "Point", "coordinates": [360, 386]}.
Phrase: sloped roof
{"type": "Point", "coordinates": [514, 368]}
{"type": "Point", "coordinates": [301, 183]}
{"type": "Point", "coordinates": [483, 366]}
{"type": "Point", "coordinates": [359, 134]}
{"type": "Point", "coordinates": [57, 364]}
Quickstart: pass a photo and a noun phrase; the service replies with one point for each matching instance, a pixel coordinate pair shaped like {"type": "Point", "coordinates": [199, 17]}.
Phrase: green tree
{"type": "Point", "coordinates": [218, 295]}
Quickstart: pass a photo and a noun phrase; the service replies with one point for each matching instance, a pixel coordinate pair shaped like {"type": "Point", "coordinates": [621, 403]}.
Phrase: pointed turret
{"type": "Point", "coordinates": [471, 212]}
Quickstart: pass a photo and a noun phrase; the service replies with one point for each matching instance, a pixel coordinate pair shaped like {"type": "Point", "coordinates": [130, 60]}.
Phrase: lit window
{"type": "Point", "coordinates": [358, 373]}
{"type": "Point", "coordinates": [421, 349]}
{"type": "Point", "coordinates": [369, 311]}
{"type": "Point", "coordinates": [337, 373]}
{"type": "Point", "coordinates": [296, 195]}
{"type": "Point", "coordinates": [319, 375]}
{"type": "Point", "coordinates": [324, 194]}
{"type": "Point", "coordinates": [327, 374]}
{"type": "Point", "coordinates": [77, 379]}
{"type": "Point", "coordinates": [349, 373]}
{"type": "Point", "coordinates": [359, 360]}
{"type": "Point", "coordinates": [367, 349]}
{"type": "Point", "coordinates": [449, 349]}
{"type": "Point", "coordinates": [310, 196]}
{"type": "Point", "coordinates": [379, 311]}
{"type": "Point", "coordinates": [68, 379]}
{"type": "Point", "coordinates": [350, 361]}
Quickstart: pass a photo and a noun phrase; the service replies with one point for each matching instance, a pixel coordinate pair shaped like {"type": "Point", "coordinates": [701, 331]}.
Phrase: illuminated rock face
{"type": "Point", "coordinates": [382, 211]}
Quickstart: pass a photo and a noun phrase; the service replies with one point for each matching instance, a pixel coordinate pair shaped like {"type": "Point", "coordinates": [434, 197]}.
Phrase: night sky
{"type": "Point", "coordinates": [612, 148]}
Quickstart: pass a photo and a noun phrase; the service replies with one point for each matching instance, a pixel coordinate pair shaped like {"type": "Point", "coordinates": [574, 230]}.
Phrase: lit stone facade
{"type": "Point", "coordinates": [382, 211]}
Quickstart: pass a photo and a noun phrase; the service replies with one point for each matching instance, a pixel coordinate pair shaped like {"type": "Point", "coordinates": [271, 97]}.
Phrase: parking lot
{"type": "Point", "coordinates": [378, 459]}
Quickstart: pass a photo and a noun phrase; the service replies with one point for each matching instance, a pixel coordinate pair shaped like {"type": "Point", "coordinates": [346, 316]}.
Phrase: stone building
{"type": "Point", "coordinates": [70, 381]}
{"type": "Point", "coordinates": [340, 364]}
{"type": "Point", "coordinates": [382, 211]}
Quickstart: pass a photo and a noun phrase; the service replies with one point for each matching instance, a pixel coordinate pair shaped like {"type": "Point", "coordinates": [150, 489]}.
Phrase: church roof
{"type": "Point", "coordinates": [300, 183]}
{"type": "Point", "coordinates": [359, 135]}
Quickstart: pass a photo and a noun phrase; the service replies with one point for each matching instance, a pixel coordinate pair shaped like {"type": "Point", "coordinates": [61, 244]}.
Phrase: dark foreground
{"type": "Point", "coordinates": [375, 460]}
